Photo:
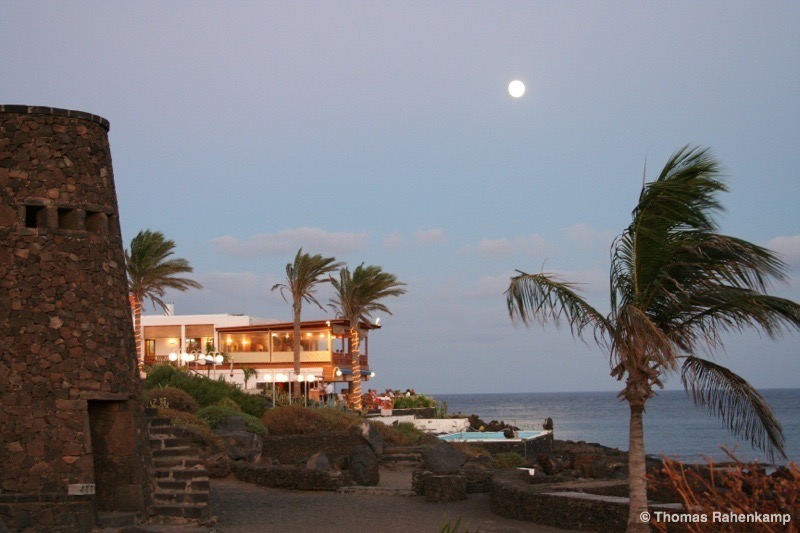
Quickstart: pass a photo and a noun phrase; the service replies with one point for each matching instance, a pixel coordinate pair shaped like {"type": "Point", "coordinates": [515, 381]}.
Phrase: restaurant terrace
{"type": "Point", "coordinates": [226, 345]}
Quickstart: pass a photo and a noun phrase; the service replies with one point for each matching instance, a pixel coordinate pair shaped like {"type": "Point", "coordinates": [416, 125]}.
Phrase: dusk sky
{"type": "Point", "coordinates": [384, 132]}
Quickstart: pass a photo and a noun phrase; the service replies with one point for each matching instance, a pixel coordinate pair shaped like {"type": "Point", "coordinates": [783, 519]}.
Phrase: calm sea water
{"type": "Point", "coordinates": [673, 426]}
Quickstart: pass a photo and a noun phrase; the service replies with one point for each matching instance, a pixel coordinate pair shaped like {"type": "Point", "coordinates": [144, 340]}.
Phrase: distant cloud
{"type": "Point", "coordinates": [393, 241]}
{"type": "Point", "coordinates": [431, 236]}
{"type": "Point", "coordinates": [531, 245]}
{"type": "Point", "coordinates": [587, 237]}
{"type": "Point", "coordinates": [495, 247]}
{"type": "Point", "coordinates": [489, 286]}
{"type": "Point", "coordinates": [312, 240]}
{"type": "Point", "coordinates": [788, 248]}
{"type": "Point", "coordinates": [227, 292]}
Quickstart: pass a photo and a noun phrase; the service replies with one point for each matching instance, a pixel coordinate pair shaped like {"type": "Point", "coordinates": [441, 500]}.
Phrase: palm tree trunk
{"type": "Point", "coordinates": [356, 357]}
{"type": "Point", "coordinates": [637, 470]}
{"type": "Point", "coordinates": [136, 308]}
{"type": "Point", "coordinates": [296, 344]}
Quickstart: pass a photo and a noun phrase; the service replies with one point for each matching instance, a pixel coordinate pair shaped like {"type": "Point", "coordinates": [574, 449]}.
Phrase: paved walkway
{"type": "Point", "coordinates": [246, 508]}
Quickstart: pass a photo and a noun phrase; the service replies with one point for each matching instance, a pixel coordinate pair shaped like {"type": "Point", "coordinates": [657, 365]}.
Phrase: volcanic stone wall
{"type": "Point", "coordinates": [70, 409]}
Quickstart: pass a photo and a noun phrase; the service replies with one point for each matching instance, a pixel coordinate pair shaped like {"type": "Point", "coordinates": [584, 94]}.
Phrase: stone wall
{"type": "Point", "coordinates": [291, 477]}
{"type": "Point", "coordinates": [68, 377]}
{"type": "Point", "coordinates": [292, 449]}
{"type": "Point", "coordinates": [478, 480]}
{"type": "Point", "coordinates": [584, 506]}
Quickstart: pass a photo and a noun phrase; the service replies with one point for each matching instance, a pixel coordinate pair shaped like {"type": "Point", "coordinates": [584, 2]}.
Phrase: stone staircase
{"type": "Point", "coordinates": [400, 457]}
{"type": "Point", "coordinates": [181, 492]}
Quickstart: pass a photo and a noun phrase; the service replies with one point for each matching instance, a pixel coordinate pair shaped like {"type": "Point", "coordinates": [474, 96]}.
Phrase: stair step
{"type": "Point", "coordinates": [159, 422]}
{"type": "Point", "coordinates": [176, 451]}
{"type": "Point", "coordinates": [162, 463]}
{"type": "Point", "coordinates": [401, 457]}
{"type": "Point", "coordinates": [162, 496]}
{"type": "Point", "coordinates": [180, 510]}
{"type": "Point", "coordinates": [167, 432]}
{"type": "Point", "coordinates": [118, 519]}
{"type": "Point", "coordinates": [182, 474]}
{"type": "Point", "coordinates": [184, 485]}
{"type": "Point", "coordinates": [159, 443]}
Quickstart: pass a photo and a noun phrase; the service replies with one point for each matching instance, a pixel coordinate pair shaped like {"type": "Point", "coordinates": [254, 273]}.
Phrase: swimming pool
{"type": "Point", "coordinates": [491, 436]}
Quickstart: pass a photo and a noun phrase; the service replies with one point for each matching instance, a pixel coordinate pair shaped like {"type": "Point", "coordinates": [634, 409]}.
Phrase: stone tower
{"type": "Point", "coordinates": [72, 431]}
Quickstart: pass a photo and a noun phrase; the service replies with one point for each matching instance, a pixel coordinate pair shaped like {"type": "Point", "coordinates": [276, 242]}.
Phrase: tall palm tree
{"type": "Point", "coordinates": [676, 287]}
{"type": "Point", "coordinates": [302, 277]}
{"type": "Point", "coordinates": [358, 295]}
{"type": "Point", "coordinates": [150, 273]}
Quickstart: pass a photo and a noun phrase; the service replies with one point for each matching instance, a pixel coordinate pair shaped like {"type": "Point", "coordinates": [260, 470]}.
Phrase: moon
{"type": "Point", "coordinates": [516, 88]}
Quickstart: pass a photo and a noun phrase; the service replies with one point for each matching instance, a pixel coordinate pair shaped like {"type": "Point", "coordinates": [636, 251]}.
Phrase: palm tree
{"type": "Point", "coordinates": [358, 295]}
{"type": "Point", "coordinates": [676, 287]}
{"type": "Point", "coordinates": [150, 273]}
{"type": "Point", "coordinates": [302, 277]}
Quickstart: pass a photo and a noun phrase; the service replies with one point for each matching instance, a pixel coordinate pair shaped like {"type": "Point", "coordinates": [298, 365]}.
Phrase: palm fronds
{"type": "Point", "coordinates": [728, 396]}
{"type": "Point", "coordinates": [151, 271]}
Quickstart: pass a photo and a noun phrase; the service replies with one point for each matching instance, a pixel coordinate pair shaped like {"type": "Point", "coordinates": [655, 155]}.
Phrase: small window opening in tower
{"type": "Point", "coordinates": [69, 218]}
{"type": "Point", "coordinates": [35, 216]}
{"type": "Point", "coordinates": [97, 222]}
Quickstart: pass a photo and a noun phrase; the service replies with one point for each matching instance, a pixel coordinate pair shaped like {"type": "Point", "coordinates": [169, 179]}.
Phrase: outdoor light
{"type": "Point", "coordinates": [218, 358]}
{"type": "Point", "coordinates": [372, 374]}
{"type": "Point", "coordinates": [338, 372]}
{"type": "Point", "coordinates": [173, 356]}
{"type": "Point", "coordinates": [311, 378]}
{"type": "Point", "coordinates": [282, 378]}
{"type": "Point", "coordinates": [300, 378]}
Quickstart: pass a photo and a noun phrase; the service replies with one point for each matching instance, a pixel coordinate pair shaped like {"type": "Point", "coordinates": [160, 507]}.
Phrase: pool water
{"type": "Point", "coordinates": [489, 436]}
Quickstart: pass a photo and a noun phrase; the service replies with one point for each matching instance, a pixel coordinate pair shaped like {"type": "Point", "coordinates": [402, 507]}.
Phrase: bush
{"type": "Point", "coordinates": [206, 391]}
{"type": "Point", "coordinates": [413, 402]}
{"type": "Point", "coordinates": [186, 420]}
{"type": "Point", "coordinates": [227, 402]}
{"type": "Point", "coordinates": [298, 420]}
{"type": "Point", "coordinates": [171, 398]}
{"type": "Point", "coordinates": [507, 460]}
{"type": "Point", "coordinates": [215, 415]}
{"type": "Point", "coordinates": [741, 488]}
{"type": "Point", "coordinates": [403, 434]}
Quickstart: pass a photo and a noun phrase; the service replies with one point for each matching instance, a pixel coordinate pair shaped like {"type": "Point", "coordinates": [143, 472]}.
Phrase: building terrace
{"type": "Point", "coordinates": [259, 344]}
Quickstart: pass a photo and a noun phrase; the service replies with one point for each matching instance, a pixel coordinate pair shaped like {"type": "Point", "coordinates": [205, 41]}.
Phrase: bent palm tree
{"type": "Point", "coordinates": [676, 286]}
{"type": "Point", "coordinates": [302, 277]}
{"type": "Point", "coordinates": [358, 295]}
{"type": "Point", "coordinates": [150, 273]}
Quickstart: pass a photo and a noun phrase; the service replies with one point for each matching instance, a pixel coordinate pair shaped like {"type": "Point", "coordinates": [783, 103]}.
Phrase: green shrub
{"type": "Point", "coordinates": [215, 415]}
{"type": "Point", "coordinates": [171, 398]}
{"type": "Point", "coordinates": [206, 391]}
{"type": "Point", "coordinates": [186, 420]}
{"type": "Point", "coordinates": [227, 402]}
{"type": "Point", "coordinates": [418, 401]}
{"type": "Point", "coordinates": [160, 376]}
{"type": "Point", "coordinates": [507, 460]}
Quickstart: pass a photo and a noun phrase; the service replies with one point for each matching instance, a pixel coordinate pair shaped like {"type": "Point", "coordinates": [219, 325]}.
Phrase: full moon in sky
{"type": "Point", "coordinates": [516, 88]}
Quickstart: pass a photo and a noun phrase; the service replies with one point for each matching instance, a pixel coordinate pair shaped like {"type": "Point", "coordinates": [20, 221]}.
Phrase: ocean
{"type": "Point", "coordinates": [673, 425]}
